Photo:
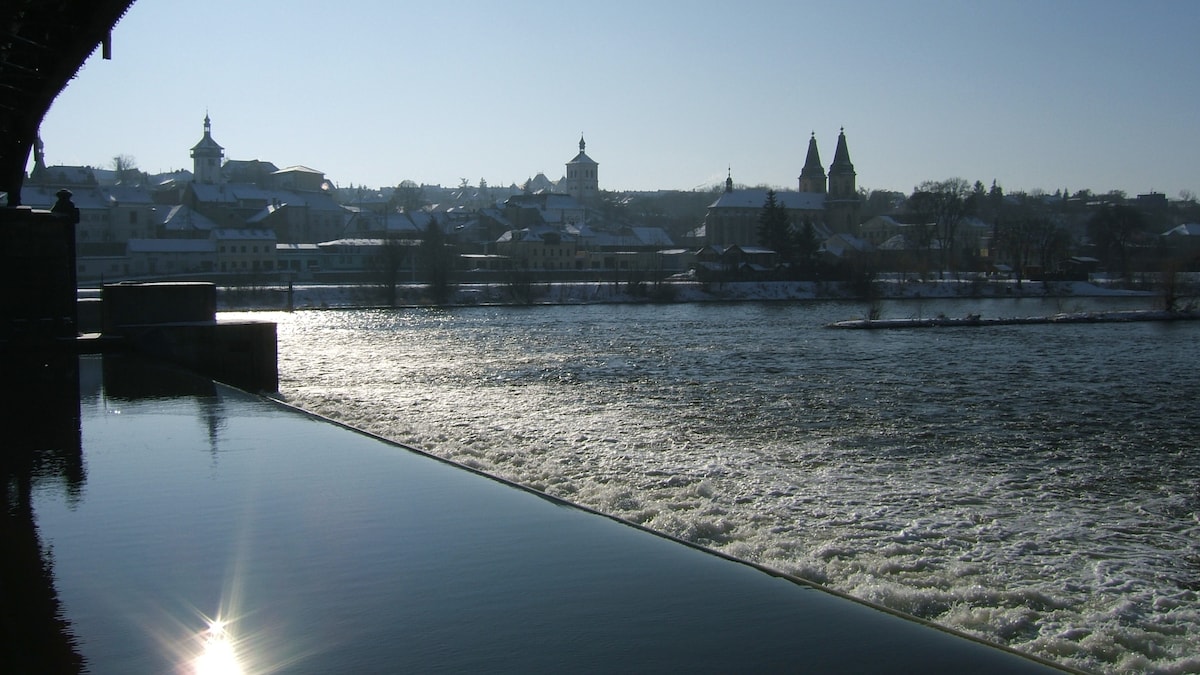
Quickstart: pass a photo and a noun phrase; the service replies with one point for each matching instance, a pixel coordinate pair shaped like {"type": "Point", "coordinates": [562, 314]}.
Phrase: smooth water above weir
{"type": "Point", "coordinates": [1035, 485]}
{"type": "Point", "coordinates": [187, 527]}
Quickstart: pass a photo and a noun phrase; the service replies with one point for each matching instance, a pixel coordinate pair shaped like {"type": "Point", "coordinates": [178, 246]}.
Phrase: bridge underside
{"type": "Point", "coordinates": [43, 43]}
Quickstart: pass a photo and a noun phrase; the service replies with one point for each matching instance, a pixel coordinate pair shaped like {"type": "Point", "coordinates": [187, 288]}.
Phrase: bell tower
{"type": "Point", "coordinates": [842, 202]}
{"type": "Point", "coordinates": [206, 157]}
{"type": "Point", "coordinates": [812, 177]}
{"type": "Point", "coordinates": [583, 182]}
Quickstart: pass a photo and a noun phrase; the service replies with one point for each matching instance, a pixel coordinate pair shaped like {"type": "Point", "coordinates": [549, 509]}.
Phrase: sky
{"type": "Point", "coordinates": [1032, 94]}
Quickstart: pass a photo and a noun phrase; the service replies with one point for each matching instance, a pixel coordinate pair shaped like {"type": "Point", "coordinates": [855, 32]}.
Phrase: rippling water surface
{"type": "Point", "coordinates": [1035, 485]}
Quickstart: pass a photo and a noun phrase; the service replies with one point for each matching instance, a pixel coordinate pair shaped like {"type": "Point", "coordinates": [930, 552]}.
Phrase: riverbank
{"type": "Point", "coordinates": [317, 296]}
{"type": "Point", "coordinates": [975, 320]}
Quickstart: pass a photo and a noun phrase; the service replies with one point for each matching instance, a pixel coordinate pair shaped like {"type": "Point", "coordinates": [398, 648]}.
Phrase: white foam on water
{"type": "Point", "coordinates": [1050, 528]}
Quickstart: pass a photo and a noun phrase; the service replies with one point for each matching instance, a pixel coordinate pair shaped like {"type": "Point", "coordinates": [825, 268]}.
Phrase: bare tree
{"type": "Point", "coordinates": [408, 197]}
{"type": "Point", "coordinates": [1113, 230]}
{"type": "Point", "coordinates": [394, 258]}
{"type": "Point", "coordinates": [1027, 233]}
{"type": "Point", "coordinates": [125, 166]}
{"type": "Point", "coordinates": [437, 261]}
{"type": "Point", "coordinates": [944, 205]}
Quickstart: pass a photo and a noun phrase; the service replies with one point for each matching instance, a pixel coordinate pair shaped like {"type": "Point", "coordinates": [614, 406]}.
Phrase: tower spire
{"type": "Point", "coordinates": [842, 204]}
{"type": "Point", "coordinates": [841, 156]}
{"type": "Point", "coordinates": [207, 156]}
{"type": "Point", "coordinates": [812, 176]}
{"type": "Point", "coordinates": [841, 172]}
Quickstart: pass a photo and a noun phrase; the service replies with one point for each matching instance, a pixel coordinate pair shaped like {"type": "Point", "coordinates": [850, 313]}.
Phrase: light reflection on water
{"type": "Point", "coordinates": [218, 651]}
{"type": "Point", "coordinates": [1037, 485]}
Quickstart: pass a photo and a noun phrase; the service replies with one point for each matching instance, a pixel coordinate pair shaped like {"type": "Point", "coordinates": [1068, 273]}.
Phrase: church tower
{"type": "Point", "coordinates": [812, 176]}
{"type": "Point", "coordinates": [206, 157]}
{"type": "Point", "coordinates": [583, 182]}
{"type": "Point", "coordinates": [842, 203]}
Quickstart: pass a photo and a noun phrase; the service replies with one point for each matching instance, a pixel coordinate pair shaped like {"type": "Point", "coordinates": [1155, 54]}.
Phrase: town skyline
{"type": "Point", "coordinates": [675, 97]}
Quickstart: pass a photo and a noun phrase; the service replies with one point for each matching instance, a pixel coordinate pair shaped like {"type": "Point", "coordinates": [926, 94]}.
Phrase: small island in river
{"type": "Point", "coordinates": [977, 320]}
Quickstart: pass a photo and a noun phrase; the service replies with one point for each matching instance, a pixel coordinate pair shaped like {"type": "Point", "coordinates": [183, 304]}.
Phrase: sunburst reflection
{"type": "Point", "coordinates": [218, 653]}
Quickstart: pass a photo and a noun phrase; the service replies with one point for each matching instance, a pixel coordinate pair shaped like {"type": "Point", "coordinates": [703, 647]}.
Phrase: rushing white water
{"type": "Point", "coordinates": [1034, 485]}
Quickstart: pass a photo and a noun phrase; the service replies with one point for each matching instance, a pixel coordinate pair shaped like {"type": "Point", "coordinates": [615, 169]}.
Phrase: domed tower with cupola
{"type": "Point", "coordinates": [812, 176]}
{"type": "Point", "coordinates": [206, 157]}
{"type": "Point", "coordinates": [583, 182]}
{"type": "Point", "coordinates": [842, 202]}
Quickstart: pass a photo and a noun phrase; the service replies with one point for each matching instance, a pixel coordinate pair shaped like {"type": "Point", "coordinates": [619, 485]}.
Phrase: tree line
{"type": "Point", "coordinates": [1023, 230]}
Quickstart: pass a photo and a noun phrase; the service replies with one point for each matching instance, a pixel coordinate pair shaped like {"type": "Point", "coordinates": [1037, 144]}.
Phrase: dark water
{"type": "Point", "coordinates": [1035, 485]}
{"type": "Point", "coordinates": [180, 526]}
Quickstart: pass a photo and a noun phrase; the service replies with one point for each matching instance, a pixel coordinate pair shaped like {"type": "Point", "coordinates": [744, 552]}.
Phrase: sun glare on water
{"type": "Point", "coordinates": [217, 656]}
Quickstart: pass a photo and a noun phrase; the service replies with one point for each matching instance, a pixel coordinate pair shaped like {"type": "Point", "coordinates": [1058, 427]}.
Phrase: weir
{"type": "Point", "coordinates": [207, 515]}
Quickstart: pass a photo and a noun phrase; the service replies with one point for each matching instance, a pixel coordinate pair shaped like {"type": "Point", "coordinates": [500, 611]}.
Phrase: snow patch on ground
{"type": "Point", "coordinates": [335, 296]}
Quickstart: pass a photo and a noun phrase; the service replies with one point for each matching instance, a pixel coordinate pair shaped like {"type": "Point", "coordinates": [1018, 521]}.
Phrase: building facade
{"type": "Point", "coordinates": [829, 202]}
{"type": "Point", "coordinates": [583, 179]}
{"type": "Point", "coordinates": [206, 157]}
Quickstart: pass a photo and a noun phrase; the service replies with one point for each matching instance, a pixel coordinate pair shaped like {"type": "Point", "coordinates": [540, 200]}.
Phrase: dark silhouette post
{"type": "Point", "coordinates": [37, 281]}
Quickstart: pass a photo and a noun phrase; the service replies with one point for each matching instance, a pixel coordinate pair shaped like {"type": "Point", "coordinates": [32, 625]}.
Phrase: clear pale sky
{"type": "Point", "coordinates": [1049, 94]}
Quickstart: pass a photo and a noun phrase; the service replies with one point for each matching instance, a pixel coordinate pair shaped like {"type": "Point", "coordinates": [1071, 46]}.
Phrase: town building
{"type": "Point", "coordinates": [297, 202]}
{"type": "Point", "coordinates": [582, 179]}
{"type": "Point", "coordinates": [829, 202]}
{"type": "Point", "coordinates": [206, 157]}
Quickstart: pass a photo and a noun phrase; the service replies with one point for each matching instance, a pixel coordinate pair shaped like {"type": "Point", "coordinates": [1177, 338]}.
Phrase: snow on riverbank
{"type": "Point", "coordinates": [338, 296]}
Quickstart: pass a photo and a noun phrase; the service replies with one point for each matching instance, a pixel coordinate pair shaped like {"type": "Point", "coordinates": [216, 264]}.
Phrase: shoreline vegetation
{"type": "Point", "coordinates": [286, 297]}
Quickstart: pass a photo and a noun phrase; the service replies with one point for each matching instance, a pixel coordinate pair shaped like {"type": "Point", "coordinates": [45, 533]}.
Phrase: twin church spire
{"type": "Point", "coordinates": [840, 183]}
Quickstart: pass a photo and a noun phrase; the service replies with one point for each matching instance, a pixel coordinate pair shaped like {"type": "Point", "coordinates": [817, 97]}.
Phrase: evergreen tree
{"type": "Point", "coordinates": [806, 247]}
{"type": "Point", "coordinates": [774, 230]}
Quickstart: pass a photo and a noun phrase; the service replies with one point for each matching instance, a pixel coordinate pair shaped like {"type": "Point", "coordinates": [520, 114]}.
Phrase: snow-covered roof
{"type": "Point", "coordinates": [1184, 230]}
{"type": "Point", "coordinates": [841, 244]}
{"type": "Point", "coordinates": [264, 213]}
{"type": "Point", "coordinates": [180, 217]}
{"type": "Point", "coordinates": [171, 246]}
{"type": "Point", "coordinates": [68, 175]}
{"type": "Point", "coordinates": [752, 250]}
{"type": "Point", "coordinates": [535, 234]}
{"type": "Point", "coordinates": [122, 195]}
{"type": "Point", "coordinates": [366, 242]}
{"type": "Point", "coordinates": [582, 158]}
{"type": "Point", "coordinates": [896, 243]}
{"type": "Point", "coordinates": [653, 236]}
{"type": "Point", "coordinates": [248, 192]}
{"type": "Point", "coordinates": [41, 197]}
{"type": "Point", "coordinates": [244, 234]}
{"type": "Point", "coordinates": [636, 237]}
{"type": "Point", "coordinates": [299, 169]}
{"type": "Point", "coordinates": [754, 199]}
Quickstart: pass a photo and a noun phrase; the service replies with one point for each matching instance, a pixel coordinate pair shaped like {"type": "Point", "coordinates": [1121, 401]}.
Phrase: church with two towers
{"type": "Point", "coordinates": [830, 202]}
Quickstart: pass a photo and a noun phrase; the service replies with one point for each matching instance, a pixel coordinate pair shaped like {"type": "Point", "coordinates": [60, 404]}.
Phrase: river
{"type": "Point", "coordinates": [1035, 485]}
